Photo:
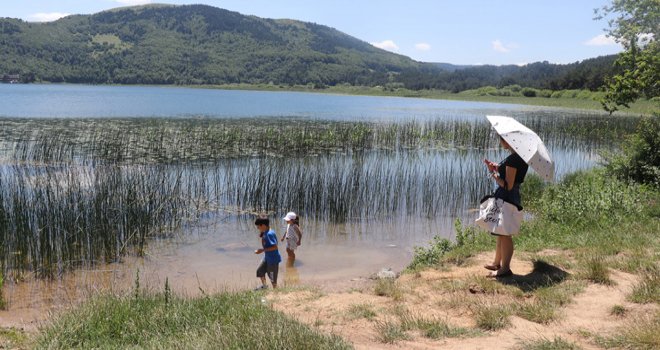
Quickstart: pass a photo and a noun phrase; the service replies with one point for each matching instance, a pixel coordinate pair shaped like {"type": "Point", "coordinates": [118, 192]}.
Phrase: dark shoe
{"type": "Point", "coordinates": [500, 274]}
{"type": "Point", "coordinates": [262, 287]}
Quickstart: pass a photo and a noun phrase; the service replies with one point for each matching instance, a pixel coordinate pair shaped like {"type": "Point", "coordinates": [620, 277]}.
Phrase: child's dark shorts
{"type": "Point", "coordinates": [270, 269]}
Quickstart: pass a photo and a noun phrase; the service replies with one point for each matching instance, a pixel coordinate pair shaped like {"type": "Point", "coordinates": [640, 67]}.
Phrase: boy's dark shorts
{"type": "Point", "coordinates": [270, 269]}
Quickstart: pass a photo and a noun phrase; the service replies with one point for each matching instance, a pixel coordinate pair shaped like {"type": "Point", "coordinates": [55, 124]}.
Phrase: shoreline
{"type": "Point", "coordinates": [639, 108]}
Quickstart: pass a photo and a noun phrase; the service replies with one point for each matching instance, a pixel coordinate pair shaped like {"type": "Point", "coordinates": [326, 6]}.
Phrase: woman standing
{"type": "Point", "coordinates": [508, 175]}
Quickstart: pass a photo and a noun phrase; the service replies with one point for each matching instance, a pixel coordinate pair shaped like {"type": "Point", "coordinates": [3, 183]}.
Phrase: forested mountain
{"type": "Point", "coordinates": [588, 74]}
{"type": "Point", "coordinates": [190, 45]}
{"type": "Point", "coordinates": [199, 44]}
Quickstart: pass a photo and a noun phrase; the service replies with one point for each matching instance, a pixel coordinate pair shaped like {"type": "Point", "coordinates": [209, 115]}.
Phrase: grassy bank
{"type": "Point", "coordinates": [578, 99]}
{"type": "Point", "coordinates": [160, 321]}
{"type": "Point", "coordinates": [585, 231]}
{"type": "Point", "coordinates": [588, 216]}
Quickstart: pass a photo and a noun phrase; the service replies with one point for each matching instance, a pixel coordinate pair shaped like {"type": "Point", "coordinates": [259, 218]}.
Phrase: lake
{"type": "Point", "coordinates": [179, 173]}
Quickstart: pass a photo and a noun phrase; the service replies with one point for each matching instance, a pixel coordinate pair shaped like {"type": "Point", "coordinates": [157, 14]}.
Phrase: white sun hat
{"type": "Point", "coordinates": [290, 216]}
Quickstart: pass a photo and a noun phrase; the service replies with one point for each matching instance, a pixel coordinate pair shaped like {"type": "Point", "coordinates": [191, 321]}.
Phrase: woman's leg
{"type": "Point", "coordinates": [497, 260]}
{"type": "Point", "coordinates": [506, 253]}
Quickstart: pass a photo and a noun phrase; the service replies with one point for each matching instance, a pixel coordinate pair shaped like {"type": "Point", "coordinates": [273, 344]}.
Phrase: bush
{"type": "Point", "coordinates": [640, 160]}
{"type": "Point", "coordinates": [545, 93]}
{"type": "Point", "coordinates": [591, 199]}
{"type": "Point", "coordinates": [557, 94]}
{"type": "Point", "coordinates": [585, 95]}
{"type": "Point", "coordinates": [487, 91]}
{"type": "Point", "coordinates": [432, 255]}
{"type": "Point", "coordinates": [529, 92]}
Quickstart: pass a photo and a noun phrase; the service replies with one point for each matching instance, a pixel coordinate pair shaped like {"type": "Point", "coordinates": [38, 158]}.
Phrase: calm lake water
{"type": "Point", "coordinates": [80, 101]}
{"type": "Point", "coordinates": [217, 252]}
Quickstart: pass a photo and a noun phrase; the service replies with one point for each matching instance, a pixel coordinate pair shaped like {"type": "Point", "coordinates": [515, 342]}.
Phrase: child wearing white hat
{"type": "Point", "coordinates": [293, 236]}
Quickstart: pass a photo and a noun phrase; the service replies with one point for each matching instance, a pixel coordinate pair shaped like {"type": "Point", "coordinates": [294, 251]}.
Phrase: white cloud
{"type": "Point", "coordinates": [499, 46]}
{"type": "Point", "coordinates": [134, 2]}
{"type": "Point", "coordinates": [422, 46]}
{"type": "Point", "coordinates": [388, 45]}
{"type": "Point", "coordinates": [601, 40]}
{"type": "Point", "coordinates": [46, 17]}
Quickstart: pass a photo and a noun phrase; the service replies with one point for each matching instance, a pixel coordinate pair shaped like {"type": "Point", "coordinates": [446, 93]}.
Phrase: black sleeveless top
{"type": "Point", "coordinates": [512, 196]}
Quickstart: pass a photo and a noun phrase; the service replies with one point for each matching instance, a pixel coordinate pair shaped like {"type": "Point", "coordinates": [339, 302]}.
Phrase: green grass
{"type": "Point", "coordinates": [618, 310]}
{"type": "Point", "coordinates": [361, 311]}
{"type": "Point", "coordinates": [561, 294]}
{"type": "Point", "coordinates": [11, 338]}
{"type": "Point", "coordinates": [390, 332]}
{"type": "Point", "coordinates": [643, 334]}
{"type": "Point", "coordinates": [492, 318]}
{"type": "Point", "coordinates": [544, 308]}
{"type": "Point", "coordinates": [596, 270]}
{"type": "Point", "coordinates": [545, 344]}
{"type": "Point", "coordinates": [439, 329]}
{"type": "Point", "coordinates": [222, 321]}
{"type": "Point", "coordinates": [647, 290]}
{"type": "Point", "coordinates": [435, 328]}
{"type": "Point", "coordinates": [539, 312]}
{"type": "Point", "coordinates": [388, 287]}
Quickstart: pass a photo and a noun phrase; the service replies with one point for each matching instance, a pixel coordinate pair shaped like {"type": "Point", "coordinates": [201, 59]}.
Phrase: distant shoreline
{"type": "Point", "coordinates": [642, 107]}
{"type": "Point", "coordinates": [639, 108]}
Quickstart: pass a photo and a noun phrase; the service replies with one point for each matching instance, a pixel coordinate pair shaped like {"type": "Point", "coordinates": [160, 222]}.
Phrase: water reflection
{"type": "Point", "coordinates": [291, 275]}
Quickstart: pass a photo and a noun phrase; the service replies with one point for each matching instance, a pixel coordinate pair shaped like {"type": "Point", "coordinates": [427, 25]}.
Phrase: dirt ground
{"type": "Point", "coordinates": [453, 297]}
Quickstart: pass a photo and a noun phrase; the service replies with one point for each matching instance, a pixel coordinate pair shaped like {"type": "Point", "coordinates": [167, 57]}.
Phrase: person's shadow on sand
{"type": "Point", "coordinates": [542, 275]}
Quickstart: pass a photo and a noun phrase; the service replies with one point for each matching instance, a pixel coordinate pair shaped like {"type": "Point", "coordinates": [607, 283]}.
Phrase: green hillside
{"type": "Point", "coordinates": [189, 45]}
{"type": "Point", "coordinates": [199, 44]}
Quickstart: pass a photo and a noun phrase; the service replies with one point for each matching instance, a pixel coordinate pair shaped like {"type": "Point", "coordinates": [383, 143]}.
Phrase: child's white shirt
{"type": "Point", "coordinates": [292, 238]}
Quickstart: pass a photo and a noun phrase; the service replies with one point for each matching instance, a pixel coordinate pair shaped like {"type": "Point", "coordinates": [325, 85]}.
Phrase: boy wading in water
{"type": "Point", "coordinates": [271, 261]}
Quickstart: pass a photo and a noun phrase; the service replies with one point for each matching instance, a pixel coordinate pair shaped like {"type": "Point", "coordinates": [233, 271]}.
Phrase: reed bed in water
{"type": "Point", "coordinates": [162, 140]}
{"type": "Point", "coordinates": [381, 185]}
{"type": "Point", "coordinates": [75, 191]}
{"type": "Point", "coordinates": [54, 218]}
{"type": "Point", "coordinates": [176, 140]}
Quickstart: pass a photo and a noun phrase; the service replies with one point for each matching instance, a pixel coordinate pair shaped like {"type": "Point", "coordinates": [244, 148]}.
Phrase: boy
{"type": "Point", "coordinates": [272, 258]}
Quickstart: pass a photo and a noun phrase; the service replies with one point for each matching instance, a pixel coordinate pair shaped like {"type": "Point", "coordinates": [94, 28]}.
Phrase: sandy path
{"type": "Point", "coordinates": [434, 294]}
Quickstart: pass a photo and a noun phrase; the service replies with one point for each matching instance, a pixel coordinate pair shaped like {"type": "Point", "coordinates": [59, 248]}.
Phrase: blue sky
{"type": "Point", "coordinates": [453, 31]}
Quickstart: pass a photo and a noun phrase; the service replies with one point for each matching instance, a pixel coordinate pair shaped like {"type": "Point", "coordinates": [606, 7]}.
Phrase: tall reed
{"type": "Point", "coordinates": [53, 218]}
{"type": "Point", "coordinates": [181, 140]}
